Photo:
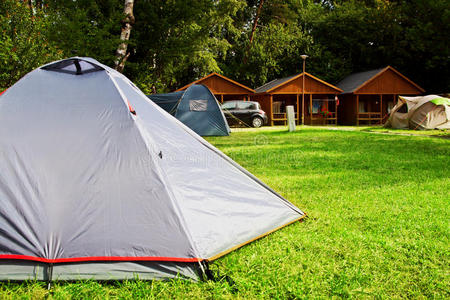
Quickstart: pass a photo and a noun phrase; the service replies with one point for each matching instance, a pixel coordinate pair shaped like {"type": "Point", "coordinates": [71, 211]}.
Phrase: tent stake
{"type": "Point", "coordinates": [50, 275]}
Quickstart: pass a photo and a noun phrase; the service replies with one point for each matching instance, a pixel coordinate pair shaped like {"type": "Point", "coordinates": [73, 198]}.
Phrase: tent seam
{"type": "Point", "coordinates": [162, 177]}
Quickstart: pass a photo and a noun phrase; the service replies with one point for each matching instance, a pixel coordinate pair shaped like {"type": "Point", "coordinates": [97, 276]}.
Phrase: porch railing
{"type": "Point", "coordinates": [281, 117]}
{"type": "Point", "coordinates": [370, 117]}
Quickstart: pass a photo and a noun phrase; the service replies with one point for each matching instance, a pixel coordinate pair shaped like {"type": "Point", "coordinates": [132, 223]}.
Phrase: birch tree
{"type": "Point", "coordinates": [127, 23]}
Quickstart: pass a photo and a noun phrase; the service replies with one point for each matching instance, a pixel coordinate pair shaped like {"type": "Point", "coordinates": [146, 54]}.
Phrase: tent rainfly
{"type": "Point", "coordinates": [197, 108]}
{"type": "Point", "coordinates": [427, 112]}
{"type": "Point", "coordinates": [98, 182]}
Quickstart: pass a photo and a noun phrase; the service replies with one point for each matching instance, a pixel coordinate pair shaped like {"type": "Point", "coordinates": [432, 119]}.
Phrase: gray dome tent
{"type": "Point", "coordinates": [197, 108]}
{"type": "Point", "coordinates": [98, 182]}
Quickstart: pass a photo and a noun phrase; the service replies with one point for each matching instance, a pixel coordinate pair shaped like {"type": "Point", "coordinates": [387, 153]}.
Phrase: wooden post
{"type": "Point", "coordinates": [381, 107]}
{"type": "Point", "coordinates": [310, 110]}
{"type": "Point", "coordinates": [298, 111]}
{"type": "Point", "coordinates": [303, 92]}
{"type": "Point", "coordinates": [271, 110]}
{"type": "Point", "coordinates": [303, 110]}
{"type": "Point", "coordinates": [221, 98]}
{"type": "Point", "coordinates": [335, 109]}
{"type": "Point", "coordinates": [357, 110]}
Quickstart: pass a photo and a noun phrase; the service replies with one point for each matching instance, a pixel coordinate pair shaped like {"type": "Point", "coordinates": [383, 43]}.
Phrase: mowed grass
{"type": "Point", "coordinates": [380, 129]}
{"type": "Point", "coordinates": [378, 224]}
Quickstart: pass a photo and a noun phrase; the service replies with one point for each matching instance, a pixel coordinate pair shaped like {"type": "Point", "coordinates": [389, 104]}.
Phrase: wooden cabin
{"type": "Point", "coordinates": [223, 87]}
{"type": "Point", "coordinates": [318, 106]}
{"type": "Point", "coordinates": [368, 97]}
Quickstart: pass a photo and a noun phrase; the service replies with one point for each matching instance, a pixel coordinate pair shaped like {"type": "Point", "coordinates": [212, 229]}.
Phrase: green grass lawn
{"type": "Point", "coordinates": [378, 223]}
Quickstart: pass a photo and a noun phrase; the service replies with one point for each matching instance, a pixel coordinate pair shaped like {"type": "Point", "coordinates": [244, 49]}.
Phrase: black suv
{"type": "Point", "coordinates": [247, 112]}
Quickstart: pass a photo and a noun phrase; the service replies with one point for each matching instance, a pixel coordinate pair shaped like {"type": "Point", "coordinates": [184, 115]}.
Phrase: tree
{"type": "Point", "coordinates": [277, 44]}
{"type": "Point", "coordinates": [423, 49]}
{"type": "Point", "coordinates": [253, 41]}
{"type": "Point", "coordinates": [176, 43]}
{"type": "Point", "coordinates": [87, 27]}
{"type": "Point", "coordinates": [24, 40]}
{"type": "Point", "coordinates": [127, 23]}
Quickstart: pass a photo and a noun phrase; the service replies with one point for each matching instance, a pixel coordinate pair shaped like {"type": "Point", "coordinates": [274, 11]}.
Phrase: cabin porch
{"type": "Point", "coordinates": [373, 109]}
{"type": "Point", "coordinates": [320, 109]}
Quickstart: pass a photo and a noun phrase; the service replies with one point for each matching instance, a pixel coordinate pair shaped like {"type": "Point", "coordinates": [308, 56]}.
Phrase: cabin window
{"type": "Point", "coordinates": [276, 107]}
{"type": "Point", "coordinates": [319, 106]}
{"type": "Point", "coordinates": [198, 105]}
{"type": "Point", "coordinates": [316, 106]}
{"type": "Point", "coordinates": [362, 107]}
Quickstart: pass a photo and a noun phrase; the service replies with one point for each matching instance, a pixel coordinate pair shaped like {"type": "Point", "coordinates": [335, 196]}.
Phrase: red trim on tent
{"type": "Point", "coordinates": [98, 258]}
{"type": "Point", "coordinates": [3, 92]}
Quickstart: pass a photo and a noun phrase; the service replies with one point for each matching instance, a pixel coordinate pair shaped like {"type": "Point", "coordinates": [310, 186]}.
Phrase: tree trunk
{"type": "Point", "coordinates": [127, 24]}
{"type": "Point", "coordinates": [255, 24]}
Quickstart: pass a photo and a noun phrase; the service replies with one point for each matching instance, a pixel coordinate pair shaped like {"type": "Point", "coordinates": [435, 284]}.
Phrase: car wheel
{"type": "Point", "coordinates": [257, 122]}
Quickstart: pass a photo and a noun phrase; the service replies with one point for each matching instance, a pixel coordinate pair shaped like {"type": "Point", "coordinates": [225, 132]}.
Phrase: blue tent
{"type": "Point", "coordinates": [197, 108]}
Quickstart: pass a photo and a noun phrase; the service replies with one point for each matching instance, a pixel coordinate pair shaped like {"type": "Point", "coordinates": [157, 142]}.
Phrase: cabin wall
{"type": "Point", "coordinates": [229, 97]}
{"type": "Point", "coordinates": [347, 109]}
{"type": "Point", "coordinates": [264, 102]}
{"type": "Point", "coordinates": [219, 85]}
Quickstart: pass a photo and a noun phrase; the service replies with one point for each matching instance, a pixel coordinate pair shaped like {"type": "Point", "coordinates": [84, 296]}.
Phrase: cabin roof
{"type": "Point", "coordinates": [356, 81]}
{"type": "Point", "coordinates": [353, 81]}
{"type": "Point", "coordinates": [274, 84]}
{"type": "Point", "coordinates": [198, 81]}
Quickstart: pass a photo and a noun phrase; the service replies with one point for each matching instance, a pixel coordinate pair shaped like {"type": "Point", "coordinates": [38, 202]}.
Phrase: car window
{"type": "Point", "coordinates": [246, 105]}
{"type": "Point", "coordinates": [229, 105]}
